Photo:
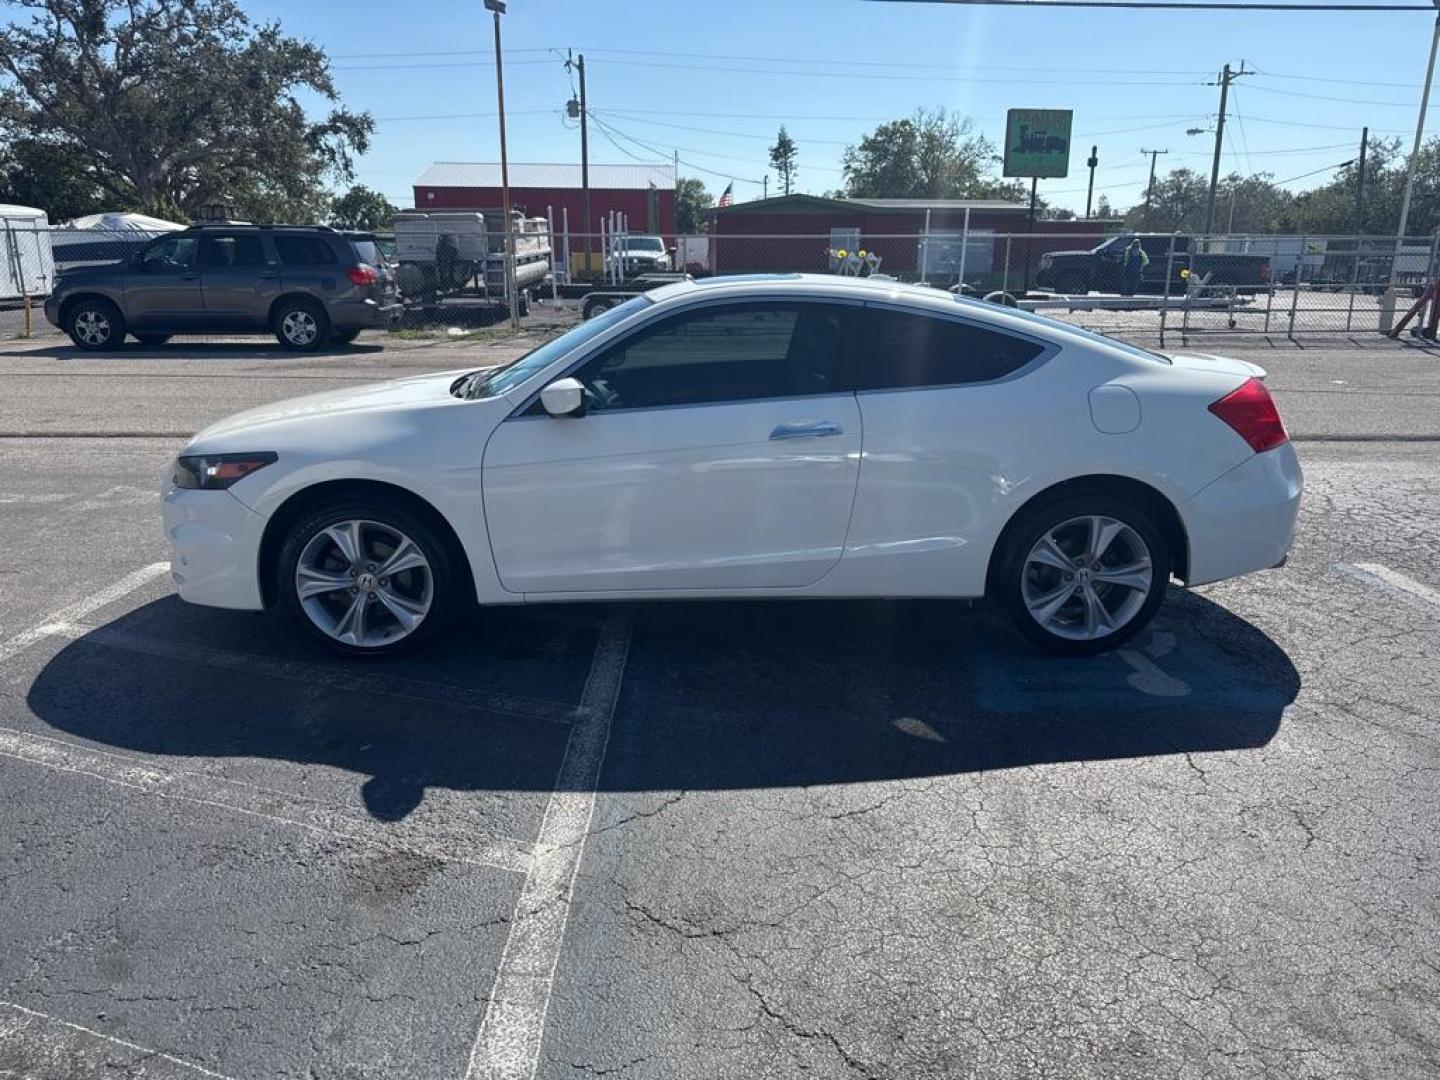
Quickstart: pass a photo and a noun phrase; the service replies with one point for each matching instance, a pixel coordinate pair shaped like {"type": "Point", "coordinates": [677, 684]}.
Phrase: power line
{"type": "Point", "coordinates": [1315, 172]}
{"type": "Point", "coordinates": [1331, 97]}
{"type": "Point", "coordinates": [1327, 79]}
{"type": "Point", "coordinates": [1174, 5]}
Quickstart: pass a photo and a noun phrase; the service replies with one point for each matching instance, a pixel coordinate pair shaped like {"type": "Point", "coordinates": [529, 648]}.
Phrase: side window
{"type": "Point", "coordinates": [738, 352]}
{"type": "Point", "coordinates": [905, 350]}
{"type": "Point", "coordinates": [1158, 247]}
{"type": "Point", "coordinates": [302, 250]}
{"type": "Point", "coordinates": [174, 254]}
{"type": "Point", "coordinates": [221, 252]}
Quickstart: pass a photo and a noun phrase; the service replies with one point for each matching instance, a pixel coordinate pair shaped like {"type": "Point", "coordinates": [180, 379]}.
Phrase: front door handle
{"type": "Point", "coordinates": [810, 429]}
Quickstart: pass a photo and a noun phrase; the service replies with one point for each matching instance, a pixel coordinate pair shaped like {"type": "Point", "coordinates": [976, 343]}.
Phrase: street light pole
{"type": "Point", "coordinates": [497, 7]}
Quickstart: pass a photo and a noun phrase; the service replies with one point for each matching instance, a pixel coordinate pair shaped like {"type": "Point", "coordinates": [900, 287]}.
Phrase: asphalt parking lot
{"type": "Point", "coordinates": [735, 839]}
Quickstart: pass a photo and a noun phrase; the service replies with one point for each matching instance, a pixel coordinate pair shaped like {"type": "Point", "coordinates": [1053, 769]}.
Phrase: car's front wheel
{"type": "Point", "coordinates": [1083, 574]}
{"type": "Point", "coordinates": [366, 577]}
{"type": "Point", "coordinates": [96, 325]}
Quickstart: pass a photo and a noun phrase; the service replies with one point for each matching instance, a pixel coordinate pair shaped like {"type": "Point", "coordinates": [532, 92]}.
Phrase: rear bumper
{"type": "Point", "coordinates": [1245, 520]}
{"type": "Point", "coordinates": [215, 542]}
{"type": "Point", "coordinates": [364, 314]}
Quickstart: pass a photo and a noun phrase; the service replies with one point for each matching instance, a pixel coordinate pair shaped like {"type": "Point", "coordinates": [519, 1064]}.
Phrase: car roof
{"type": "Point", "coordinates": [889, 290]}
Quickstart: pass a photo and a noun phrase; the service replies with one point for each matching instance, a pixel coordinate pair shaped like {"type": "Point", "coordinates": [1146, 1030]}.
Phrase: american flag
{"type": "Point", "coordinates": [727, 196]}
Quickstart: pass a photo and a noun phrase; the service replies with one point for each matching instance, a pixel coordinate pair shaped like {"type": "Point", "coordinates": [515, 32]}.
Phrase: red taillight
{"type": "Point", "coordinates": [1250, 410]}
{"type": "Point", "coordinates": [364, 274]}
{"type": "Point", "coordinates": [1265, 270]}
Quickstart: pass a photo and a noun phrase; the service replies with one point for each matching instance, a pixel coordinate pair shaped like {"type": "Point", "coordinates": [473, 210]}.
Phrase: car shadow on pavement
{"type": "Point", "coordinates": [719, 695]}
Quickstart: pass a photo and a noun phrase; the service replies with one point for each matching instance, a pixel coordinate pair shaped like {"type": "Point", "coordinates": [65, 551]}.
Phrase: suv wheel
{"type": "Point", "coordinates": [1083, 574]}
{"type": "Point", "coordinates": [301, 325]}
{"type": "Point", "coordinates": [95, 324]}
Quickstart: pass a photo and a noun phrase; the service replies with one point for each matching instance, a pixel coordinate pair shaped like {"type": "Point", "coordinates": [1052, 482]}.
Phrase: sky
{"type": "Point", "coordinates": [714, 80]}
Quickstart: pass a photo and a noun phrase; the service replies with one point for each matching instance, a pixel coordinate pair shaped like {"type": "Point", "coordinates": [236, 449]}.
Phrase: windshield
{"type": "Point", "coordinates": [644, 243]}
{"type": "Point", "coordinates": [481, 384]}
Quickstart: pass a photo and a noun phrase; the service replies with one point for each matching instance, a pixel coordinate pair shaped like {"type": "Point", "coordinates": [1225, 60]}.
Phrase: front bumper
{"type": "Point", "coordinates": [1245, 520]}
{"type": "Point", "coordinates": [215, 542]}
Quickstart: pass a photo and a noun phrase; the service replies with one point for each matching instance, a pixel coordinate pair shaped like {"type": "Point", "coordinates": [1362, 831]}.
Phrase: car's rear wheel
{"type": "Point", "coordinates": [152, 341]}
{"type": "Point", "coordinates": [1083, 574]}
{"type": "Point", "coordinates": [95, 325]}
{"type": "Point", "coordinates": [301, 326]}
{"type": "Point", "coordinates": [366, 577]}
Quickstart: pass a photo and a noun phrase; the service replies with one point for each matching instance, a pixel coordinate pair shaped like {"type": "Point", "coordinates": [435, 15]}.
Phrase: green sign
{"type": "Point", "coordinates": [1037, 142]}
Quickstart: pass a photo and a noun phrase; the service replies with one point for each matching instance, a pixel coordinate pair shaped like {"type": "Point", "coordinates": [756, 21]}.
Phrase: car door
{"type": "Point", "coordinates": [717, 451]}
{"type": "Point", "coordinates": [164, 292]}
{"type": "Point", "coordinates": [239, 279]}
{"type": "Point", "coordinates": [947, 415]}
{"type": "Point", "coordinates": [1159, 248]}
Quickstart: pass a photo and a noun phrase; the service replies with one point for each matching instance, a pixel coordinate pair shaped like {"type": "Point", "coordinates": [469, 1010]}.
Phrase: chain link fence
{"type": "Point", "coordinates": [1151, 288]}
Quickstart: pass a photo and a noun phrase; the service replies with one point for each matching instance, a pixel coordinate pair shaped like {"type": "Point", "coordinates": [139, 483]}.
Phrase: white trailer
{"type": "Point", "coordinates": [29, 263]}
{"type": "Point", "coordinates": [451, 252]}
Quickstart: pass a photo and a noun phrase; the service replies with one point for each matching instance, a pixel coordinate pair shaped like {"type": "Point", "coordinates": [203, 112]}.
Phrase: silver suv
{"type": "Point", "coordinates": [308, 285]}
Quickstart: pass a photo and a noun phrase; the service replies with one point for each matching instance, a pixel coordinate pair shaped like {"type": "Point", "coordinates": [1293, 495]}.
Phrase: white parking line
{"type": "Point", "coordinates": [458, 844]}
{"type": "Point", "coordinates": [81, 608]}
{"type": "Point", "coordinates": [1392, 581]}
{"type": "Point", "coordinates": [54, 1048]}
{"type": "Point", "coordinates": [508, 1044]}
{"type": "Point", "coordinates": [348, 679]}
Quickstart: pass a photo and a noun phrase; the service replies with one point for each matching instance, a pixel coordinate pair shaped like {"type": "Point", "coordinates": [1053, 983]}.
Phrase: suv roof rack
{"type": "Point", "coordinates": [252, 225]}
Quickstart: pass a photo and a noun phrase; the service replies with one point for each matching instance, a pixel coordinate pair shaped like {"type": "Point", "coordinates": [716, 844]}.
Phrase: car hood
{"type": "Point", "coordinates": [1222, 365]}
{"type": "Point", "coordinates": [416, 391]}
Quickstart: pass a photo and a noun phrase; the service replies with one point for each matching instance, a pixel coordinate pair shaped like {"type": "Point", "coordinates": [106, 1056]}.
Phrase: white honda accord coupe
{"type": "Point", "coordinates": [771, 436]}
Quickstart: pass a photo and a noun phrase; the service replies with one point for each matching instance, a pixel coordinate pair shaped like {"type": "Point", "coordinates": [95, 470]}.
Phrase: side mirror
{"type": "Point", "coordinates": [564, 397]}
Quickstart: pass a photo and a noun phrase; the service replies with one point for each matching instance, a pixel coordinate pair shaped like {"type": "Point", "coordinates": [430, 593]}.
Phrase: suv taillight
{"type": "Point", "coordinates": [1250, 410]}
{"type": "Point", "coordinates": [1265, 271]}
{"type": "Point", "coordinates": [364, 274]}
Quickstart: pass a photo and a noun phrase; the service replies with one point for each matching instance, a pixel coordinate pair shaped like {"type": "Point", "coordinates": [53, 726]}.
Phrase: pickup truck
{"type": "Point", "coordinates": [1100, 268]}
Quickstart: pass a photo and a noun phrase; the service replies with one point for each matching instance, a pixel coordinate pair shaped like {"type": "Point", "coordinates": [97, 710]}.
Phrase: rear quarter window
{"type": "Point", "coordinates": [904, 349]}
{"type": "Point", "coordinates": [304, 251]}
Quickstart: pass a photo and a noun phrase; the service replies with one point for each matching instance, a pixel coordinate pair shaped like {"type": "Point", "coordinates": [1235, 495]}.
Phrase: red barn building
{"type": "Point", "coordinates": [797, 232]}
{"type": "Point", "coordinates": [644, 193]}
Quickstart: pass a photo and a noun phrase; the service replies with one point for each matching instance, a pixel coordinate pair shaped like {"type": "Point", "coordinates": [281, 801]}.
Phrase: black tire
{"type": "Point", "coordinates": [343, 337]}
{"type": "Point", "coordinates": [382, 513]}
{"type": "Point", "coordinates": [95, 325]}
{"type": "Point", "coordinates": [152, 341]}
{"type": "Point", "coordinates": [591, 308]}
{"type": "Point", "coordinates": [1014, 576]}
{"type": "Point", "coordinates": [294, 332]}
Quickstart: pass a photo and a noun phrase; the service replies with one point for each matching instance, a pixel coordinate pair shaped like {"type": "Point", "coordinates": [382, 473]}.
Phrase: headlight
{"type": "Point", "coordinates": [215, 472]}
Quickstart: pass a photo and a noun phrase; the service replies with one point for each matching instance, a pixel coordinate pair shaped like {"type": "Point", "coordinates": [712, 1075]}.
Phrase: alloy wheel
{"type": "Point", "coordinates": [1087, 577]}
{"type": "Point", "coordinates": [299, 327]}
{"type": "Point", "coordinates": [92, 327]}
{"type": "Point", "coordinates": [364, 583]}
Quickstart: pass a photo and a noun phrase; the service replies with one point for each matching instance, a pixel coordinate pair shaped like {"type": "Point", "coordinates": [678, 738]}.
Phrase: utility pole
{"type": "Point", "coordinates": [1415, 150]}
{"type": "Point", "coordinates": [578, 64]}
{"type": "Point", "coordinates": [1226, 78]}
{"type": "Point", "coordinates": [1091, 161]}
{"type": "Point", "coordinates": [1150, 187]}
{"type": "Point", "coordinates": [1360, 184]}
{"type": "Point", "coordinates": [765, 186]}
{"type": "Point", "coordinates": [1030, 230]}
{"type": "Point", "coordinates": [497, 8]}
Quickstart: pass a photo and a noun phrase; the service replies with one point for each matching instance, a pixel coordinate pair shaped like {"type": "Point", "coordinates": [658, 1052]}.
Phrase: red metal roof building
{"type": "Point", "coordinates": [790, 230]}
{"type": "Point", "coordinates": [645, 193]}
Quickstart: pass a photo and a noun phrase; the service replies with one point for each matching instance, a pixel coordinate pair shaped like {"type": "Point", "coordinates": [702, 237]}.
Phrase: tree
{"type": "Point", "coordinates": [782, 158]}
{"type": "Point", "coordinates": [361, 208]}
{"type": "Point", "coordinates": [1103, 208]}
{"type": "Point", "coordinates": [55, 178]}
{"type": "Point", "coordinates": [691, 200]}
{"type": "Point", "coordinates": [176, 103]}
{"type": "Point", "coordinates": [931, 154]}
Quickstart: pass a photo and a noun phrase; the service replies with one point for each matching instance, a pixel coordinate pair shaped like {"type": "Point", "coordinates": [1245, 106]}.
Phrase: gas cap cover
{"type": "Point", "coordinates": [1114, 410]}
